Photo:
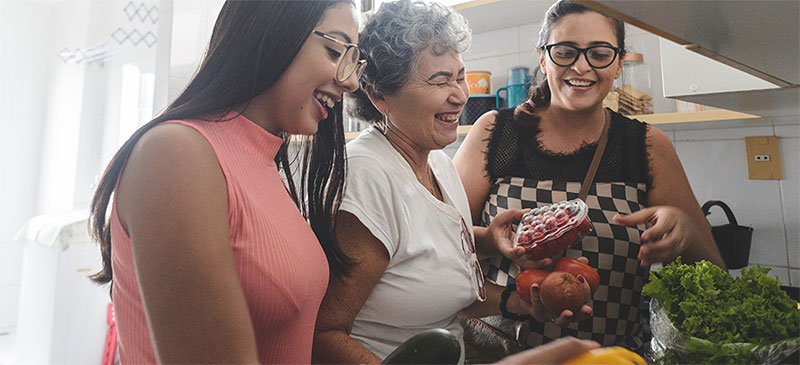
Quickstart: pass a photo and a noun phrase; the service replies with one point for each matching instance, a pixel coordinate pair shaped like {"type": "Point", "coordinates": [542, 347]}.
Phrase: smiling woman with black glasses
{"type": "Point", "coordinates": [640, 203]}
{"type": "Point", "coordinates": [565, 54]}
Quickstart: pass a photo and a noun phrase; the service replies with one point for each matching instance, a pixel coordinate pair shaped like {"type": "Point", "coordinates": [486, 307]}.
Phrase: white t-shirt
{"type": "Point", "coordinates": [428, 279]}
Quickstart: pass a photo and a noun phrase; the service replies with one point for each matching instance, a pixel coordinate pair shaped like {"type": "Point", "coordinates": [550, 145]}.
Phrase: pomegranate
{"type": "Point", "coordinates": [561, 290]}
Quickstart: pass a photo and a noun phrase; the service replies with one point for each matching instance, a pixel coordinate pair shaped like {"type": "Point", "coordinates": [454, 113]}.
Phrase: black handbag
{"type": "Point", "coordinates": [732, 239]}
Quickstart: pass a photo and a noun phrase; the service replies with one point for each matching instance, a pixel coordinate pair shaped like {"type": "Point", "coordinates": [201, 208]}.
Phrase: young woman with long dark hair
{"type": "Point", "coordinates": [209, 252]}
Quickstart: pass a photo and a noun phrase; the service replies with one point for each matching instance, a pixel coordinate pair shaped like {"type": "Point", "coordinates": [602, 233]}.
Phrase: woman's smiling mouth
{"type": "Point", "coordinates": [579, 83]}
{"type": "Point", "coordinates": [447, 117]}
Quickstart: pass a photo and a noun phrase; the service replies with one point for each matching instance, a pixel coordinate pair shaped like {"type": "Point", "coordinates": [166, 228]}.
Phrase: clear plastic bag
{"type": "Point", "coordinates": [669, 345]}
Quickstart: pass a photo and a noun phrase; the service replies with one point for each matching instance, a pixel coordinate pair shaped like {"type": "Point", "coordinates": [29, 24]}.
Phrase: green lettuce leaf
{"type": "Point", "coordinates": [704, 301]}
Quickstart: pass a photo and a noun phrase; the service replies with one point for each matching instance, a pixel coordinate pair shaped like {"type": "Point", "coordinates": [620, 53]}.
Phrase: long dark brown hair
{"type": "Point", "coordinates": [252, 45]}
{"type": "Point", "coordinates": [539, 94]}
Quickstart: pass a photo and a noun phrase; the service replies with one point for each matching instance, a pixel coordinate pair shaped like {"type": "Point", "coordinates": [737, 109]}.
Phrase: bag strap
{"type": "Point", "coordinates": [728, 212]}
{"type": "Point", "coordinates": [598, 154]}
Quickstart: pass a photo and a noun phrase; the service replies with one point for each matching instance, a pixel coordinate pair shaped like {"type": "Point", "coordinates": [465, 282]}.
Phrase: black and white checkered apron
{"type": "Point", "coordinates": [611, 248]}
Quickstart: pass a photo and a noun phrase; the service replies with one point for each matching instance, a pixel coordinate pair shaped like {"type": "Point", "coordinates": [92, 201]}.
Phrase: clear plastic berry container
{"type": "Point", "coordinates": [546, 231]}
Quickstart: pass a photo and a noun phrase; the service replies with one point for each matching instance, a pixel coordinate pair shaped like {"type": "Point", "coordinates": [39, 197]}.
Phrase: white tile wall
{"type": "Point", "coordinates": [528, 59]}
{"type": "Point", "coordinates": [528, 37]}
{"type": "Point", "coordinates": [11, 264]}
{"type": "Point", "coordinates": [723, 134]}
{"type": "Point", "coordinates": [25, 37]}
{"type": "Point", "coordinates": [715, 164]}
{"type": "Point", "coordinates": [492, 44]}
{"type": "Point", "coordinates": [790, 191]}
{"type": "Point", "coordinates": [191, 29]}
{"type": "Point", "coordinates": [8, 340]}
{"type": "Point", "coordinates": [781, 273]}
{"type": "Point", "coordinates": [790, 130]}
{"type": "Point", "coordinates": [8, 308]}
{"type": "Point", "coordinates": [716, 171]}
{"type": "Point", "coordinates": [794, 277]}
{"type": "Point", "coordinates": [713, 154]}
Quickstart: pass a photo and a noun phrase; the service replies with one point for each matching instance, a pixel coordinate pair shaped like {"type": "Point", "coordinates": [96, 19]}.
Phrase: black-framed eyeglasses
{"type": "Point", "coordinates": [566, 55]}
{"type": "Point", "coordinates": [350, 61]}
{"type": "Point", "coordinates": [468, 246]}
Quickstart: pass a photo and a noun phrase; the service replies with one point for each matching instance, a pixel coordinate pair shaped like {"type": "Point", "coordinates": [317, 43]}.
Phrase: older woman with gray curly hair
{"type": "Point", "coordinates": [404, 218]}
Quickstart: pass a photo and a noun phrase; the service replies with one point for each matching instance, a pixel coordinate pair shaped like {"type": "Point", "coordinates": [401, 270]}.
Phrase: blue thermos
{"type": "Point", "coordinates": [516, 89]}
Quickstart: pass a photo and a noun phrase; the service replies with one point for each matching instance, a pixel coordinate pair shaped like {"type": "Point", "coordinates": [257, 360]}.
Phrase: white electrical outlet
{"type": "Point", "coordinates": [762, 158]}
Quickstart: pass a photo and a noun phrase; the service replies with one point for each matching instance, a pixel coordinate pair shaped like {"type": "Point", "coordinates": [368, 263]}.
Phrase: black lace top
{"type": "Point", "coordinates": [625, 158]}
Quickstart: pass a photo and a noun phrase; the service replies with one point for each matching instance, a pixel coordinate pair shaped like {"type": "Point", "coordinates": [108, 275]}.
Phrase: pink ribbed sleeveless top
{"type": "Point", "coordinates": [281, 265]}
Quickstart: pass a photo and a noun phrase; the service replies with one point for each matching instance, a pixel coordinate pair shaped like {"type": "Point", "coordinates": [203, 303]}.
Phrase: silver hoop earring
{"type": "Point", "coordinates": [383, 125]}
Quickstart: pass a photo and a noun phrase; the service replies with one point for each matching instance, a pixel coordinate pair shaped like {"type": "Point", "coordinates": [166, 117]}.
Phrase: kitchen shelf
{"type": "Point", "coordinates": [692, 117]}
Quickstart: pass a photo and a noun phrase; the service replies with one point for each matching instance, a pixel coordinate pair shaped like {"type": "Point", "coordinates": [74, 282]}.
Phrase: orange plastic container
{"type": "Point", "coordinates": [480, 82]}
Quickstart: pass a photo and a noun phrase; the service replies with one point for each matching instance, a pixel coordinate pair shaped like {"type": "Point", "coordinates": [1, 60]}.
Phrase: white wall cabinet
{"type": "Point", "coordinates": [687, 73]}
{"type": "Point", "coordinates": [692, 77]}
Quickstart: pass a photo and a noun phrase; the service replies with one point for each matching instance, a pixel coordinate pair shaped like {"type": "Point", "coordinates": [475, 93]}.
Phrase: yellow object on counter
{"type": "Point", "coordinates": [607, 355]}
{"type": "Point", "coordinates": [479, 82]}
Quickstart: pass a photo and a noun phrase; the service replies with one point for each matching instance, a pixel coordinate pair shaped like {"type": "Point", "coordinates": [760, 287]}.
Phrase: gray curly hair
{"type": "Point", "coordinates": [393, 39]}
